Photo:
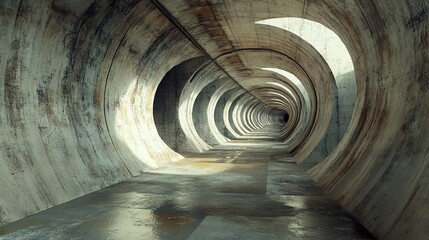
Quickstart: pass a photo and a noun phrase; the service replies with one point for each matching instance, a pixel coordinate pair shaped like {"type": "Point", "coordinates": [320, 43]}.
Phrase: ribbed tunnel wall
{"type": "Point", "coordinates": [81, 110]}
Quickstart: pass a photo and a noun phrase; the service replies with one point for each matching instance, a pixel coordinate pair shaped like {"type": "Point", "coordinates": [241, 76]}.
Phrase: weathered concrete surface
{"type": "Point", "coordinates": [60, 61]}
{"type": "Point", "coordinates": [197, 108]}
{"type": "Point", "coordinates": [202, 114]}
{"type": "Point", "coordinates": [378, 170]}
{"type": "Point", "coordinates": [135, 72]}
{"type": "Point", "coordinates": [54, 144]}
{"type": "Point", "coordinates": [223, 38]}
{"type": "Point", "coordinates": [78, 80]}
{"type": "Point", "coordinates": [166, 105]}
{"type": "Point", "coordinates": [226, 193]}
{"type": "Point", "coordinates": [78, 87]}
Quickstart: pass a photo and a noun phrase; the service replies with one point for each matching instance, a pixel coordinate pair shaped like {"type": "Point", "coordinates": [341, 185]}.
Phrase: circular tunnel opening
{"type": "Point", "coordinates": [286, 117]}
{"type": "Point", "coordinates": [91, 106]}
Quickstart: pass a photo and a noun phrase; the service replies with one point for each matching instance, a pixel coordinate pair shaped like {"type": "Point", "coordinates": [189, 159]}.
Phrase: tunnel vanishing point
{"type": "Point", "coordinates": [98, 91]}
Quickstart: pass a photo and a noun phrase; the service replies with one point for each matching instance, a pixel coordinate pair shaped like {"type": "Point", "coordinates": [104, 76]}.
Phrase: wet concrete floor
{"type": "Point", "coordinates": [234, 191]}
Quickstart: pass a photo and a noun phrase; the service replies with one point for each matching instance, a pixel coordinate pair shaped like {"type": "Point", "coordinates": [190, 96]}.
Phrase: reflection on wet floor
{"type": "Point", "coordinates": [235, 191]}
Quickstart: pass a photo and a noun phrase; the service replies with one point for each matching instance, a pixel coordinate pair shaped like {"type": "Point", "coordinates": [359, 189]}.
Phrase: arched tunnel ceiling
{"type": "Point", "coordinates": [80, 80]}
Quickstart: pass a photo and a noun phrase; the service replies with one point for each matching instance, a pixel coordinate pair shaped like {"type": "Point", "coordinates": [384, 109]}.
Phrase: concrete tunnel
{"type": "Point", "coordinates": [96, 92]}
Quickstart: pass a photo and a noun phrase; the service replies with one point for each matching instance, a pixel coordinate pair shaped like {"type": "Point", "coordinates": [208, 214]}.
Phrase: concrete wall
{"type": "Point", "coordinates": [79, 79]}
{"type": "Point", "coordinates": [166, 105]}
{"type": "Point", "coordinates": [200, 114]}
{"type": "Point", "coordinates": [77, 84]}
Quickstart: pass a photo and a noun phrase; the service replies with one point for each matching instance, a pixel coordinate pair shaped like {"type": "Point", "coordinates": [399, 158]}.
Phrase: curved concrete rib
{"type": "Point", "coordinates": [79, 80]}
{"type": "Point", "coordinates": [166, 104]}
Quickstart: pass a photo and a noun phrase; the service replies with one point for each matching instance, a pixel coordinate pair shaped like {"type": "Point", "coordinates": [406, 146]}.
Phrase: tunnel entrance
{"type": "Point", "coordinates": [286, 117]}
